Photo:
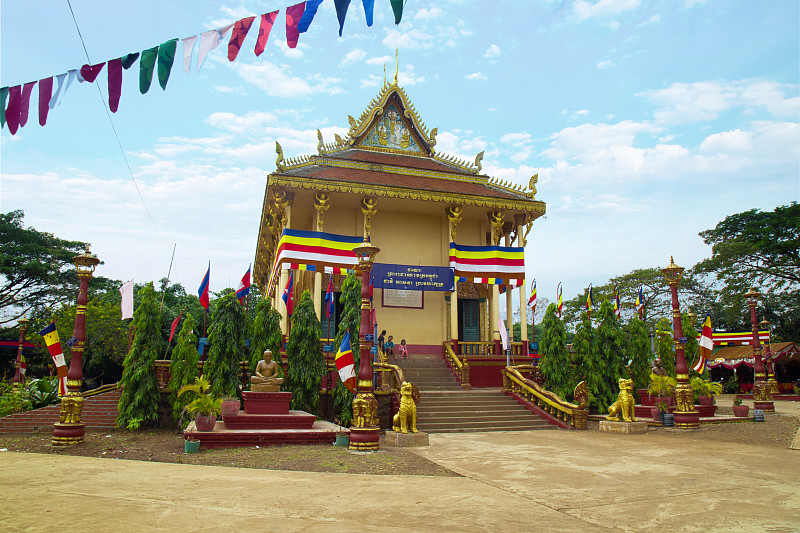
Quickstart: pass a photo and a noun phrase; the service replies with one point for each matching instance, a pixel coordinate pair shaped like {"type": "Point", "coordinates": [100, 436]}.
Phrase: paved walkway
{"type": "Point", "coordinates": [513, 481]}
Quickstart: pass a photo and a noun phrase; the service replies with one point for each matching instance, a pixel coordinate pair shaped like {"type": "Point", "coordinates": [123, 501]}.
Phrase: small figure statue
{"type": "Point", "coordinates": [625, 403]}
{"type": "Point", "coordinates": [266, 377]}
{"type": "Point", "coordinates": [407, 414]}
{"type": "Point", "coordinates": [657, 368]}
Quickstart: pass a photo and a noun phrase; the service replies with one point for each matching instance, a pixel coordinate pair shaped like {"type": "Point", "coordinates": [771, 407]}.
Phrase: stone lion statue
{"type": "Point", "coordinates": [624, 405]}
{"type": "Point", "coordinates": [407, 415]}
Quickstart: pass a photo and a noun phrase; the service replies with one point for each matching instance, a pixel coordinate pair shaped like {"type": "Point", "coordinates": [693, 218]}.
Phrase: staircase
{"type": "Point", "coordinates": [446, 408]}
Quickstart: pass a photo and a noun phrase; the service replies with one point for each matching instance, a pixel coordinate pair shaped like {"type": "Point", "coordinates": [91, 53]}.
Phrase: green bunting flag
{"type": "Point", "coordinates": [397, 7]}
{"type": "Point", "coordinates": [3, 98]}
{"type": "Point", "coordinates": [146, 65]}
{"type": "Point", "coordinates": [166, 56]}
{"type": "Point", "coordinates": [128, 60]}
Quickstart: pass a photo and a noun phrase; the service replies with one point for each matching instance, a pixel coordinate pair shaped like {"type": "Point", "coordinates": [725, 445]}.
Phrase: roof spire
{"type": "Point", "coordinates": [397, 65]}
{"type": "Point", "coordinates": [384, 74]}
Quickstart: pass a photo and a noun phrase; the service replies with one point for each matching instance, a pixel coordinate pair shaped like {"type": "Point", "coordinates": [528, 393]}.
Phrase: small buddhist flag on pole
{"type": "Point", "coordinates": [532, 299]}
{"type": "Point", "coordinates": [345, 364]}
{"type": "Point", "coordinates": [589, 302]}
{"type": "Point", "coordinates": [616, 301]}
{"type": "Point", "coordinates": [706, 345]}
{"type": "Point", "coordinates": [50, 335]}
{"type": "Point", "coordinates": [640, 302]}
{"type": "Point", "coordinates": [560, 301]}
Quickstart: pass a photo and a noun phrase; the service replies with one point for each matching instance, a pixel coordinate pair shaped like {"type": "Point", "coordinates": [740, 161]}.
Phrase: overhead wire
{"type": "Point", "coordinates": [114, 129]}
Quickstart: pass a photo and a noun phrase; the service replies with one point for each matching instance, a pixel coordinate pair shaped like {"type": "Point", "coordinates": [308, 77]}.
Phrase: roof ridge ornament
{"type": "Point", "coordinates": [396, 66]}
{"type": "Point", "coordinates": [279, 162]}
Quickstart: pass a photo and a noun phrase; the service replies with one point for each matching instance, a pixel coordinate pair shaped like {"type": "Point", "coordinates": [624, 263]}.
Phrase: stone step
{"type": "Point", "coordinates": [468, 419]}
{"type": "Point", "coordinates": [482, 429]}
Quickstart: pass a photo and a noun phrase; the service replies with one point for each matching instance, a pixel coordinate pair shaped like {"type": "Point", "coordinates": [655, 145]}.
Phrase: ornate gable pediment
{"type": "Point", "coordinates": [391, 124]}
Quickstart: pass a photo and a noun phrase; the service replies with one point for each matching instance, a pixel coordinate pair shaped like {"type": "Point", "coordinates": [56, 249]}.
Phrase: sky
{"type": "Point", "coordinates": [647, 122]}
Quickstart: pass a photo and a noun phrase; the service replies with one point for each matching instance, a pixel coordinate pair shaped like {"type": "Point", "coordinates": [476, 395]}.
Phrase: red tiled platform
{"type": "Point", "coordinates": [292, 420]}
{"type": "Point", "coordinates": [703, 420]}
{"type": "Point", "coordinates": [321, 432]}
{"type": "Point", "coordinates": [775, 397]}
{"type": "Point", "coordinates": [706, 411]}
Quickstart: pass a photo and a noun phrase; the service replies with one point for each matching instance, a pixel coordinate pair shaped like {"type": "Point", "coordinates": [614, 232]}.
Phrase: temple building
{"type": "Point", "coordinates": [451, 239]}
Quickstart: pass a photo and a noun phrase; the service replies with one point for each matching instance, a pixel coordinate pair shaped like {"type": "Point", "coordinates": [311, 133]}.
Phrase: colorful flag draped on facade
{"type": "Point", "coordinates": [126, 305]}
{"type": "Point", "coordinates": [345, 364]}
{"type": "Point", "coordinates": [504, 262]}
{"type": "Point", "coordinates": [314, 248]}
{"type": "Point", "coordinates": [589, 302]}
{"type": "Point", "coordinates": [706, 344]}
{"type": "Point", "coordinates": [244, 286]}
{"type": "Point", "coordinates": [329, 299]}
{"type": "Point", "coordinates": [532, 299]}
{"type": "Point", "coordinates": [616, 301]}
{"type": "Point", "coordinates": [202, 291]}
{"type": "Point", "coordinates": [50, 335]}
{"type": "Point", "coordinates": [559, 300]}
{"type": "Point", "coordinates": [640, 301]}
{"type": "Point", "coordinates": [288, 294]}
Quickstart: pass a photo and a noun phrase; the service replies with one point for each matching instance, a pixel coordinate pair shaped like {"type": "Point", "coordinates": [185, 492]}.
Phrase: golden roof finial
{"type": "Point", "coordinates": [384, 74]}
{"type": "Point", "coordinates": [396, 66]}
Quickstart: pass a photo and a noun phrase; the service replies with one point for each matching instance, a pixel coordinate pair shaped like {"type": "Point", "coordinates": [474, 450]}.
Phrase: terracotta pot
{"type": "Point", "coordinates": [741, 410]}
{"type": "Point", "coordinates": [669, 399]}
{"type": "Point", "coordinates": [205, 422]}
{"type": "Point", "coordinates": [705, 400]}
{"type": "Point", "coordinates": [229, 408]}
{"type": "Point", "coordinates": [656, 415]}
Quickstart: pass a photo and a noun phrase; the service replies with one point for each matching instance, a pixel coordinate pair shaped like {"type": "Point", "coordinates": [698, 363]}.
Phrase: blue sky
{"type": "Point", "coordinates": [647, 122]}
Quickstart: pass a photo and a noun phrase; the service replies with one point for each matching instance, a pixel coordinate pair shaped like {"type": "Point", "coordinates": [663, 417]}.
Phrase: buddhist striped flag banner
{"type": "Point", "coordinates": [345, 364]}
{"type": "Point", "coordinates": [706, 345]}
{"type": "Point", "coordinates": [503, 262]}
{"type": "Point", "coordinates": [50, 335]}
{"type": "Point", "coordinates": [736, 338]}
{"type": "Point", "coordinates": [314, 248]}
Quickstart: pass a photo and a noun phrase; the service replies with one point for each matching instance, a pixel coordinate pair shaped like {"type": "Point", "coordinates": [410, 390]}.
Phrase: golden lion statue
{"type": "Point", "coordinates": [625, 403]}
{"type": "Point", "coordinates": [407, 415]}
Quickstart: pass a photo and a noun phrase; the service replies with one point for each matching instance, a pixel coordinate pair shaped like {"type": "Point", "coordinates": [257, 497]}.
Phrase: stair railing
{"type": "Point", "coordinates": [570, 414]}
{"type": "Point", "coordinates": [392, 376]}
{"type": "Point", "coordinates": [459, 368]}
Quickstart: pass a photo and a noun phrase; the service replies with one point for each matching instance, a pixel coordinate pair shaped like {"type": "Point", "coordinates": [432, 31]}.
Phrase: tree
{"type": "Point", "coordinates": [665, 346]}
{"type": "Point", "coordinates": [304, 353]}
{"type": "Point", "coordinates": [606, 366]}
{"type": "Point", "coordinates": [554, 359]}
{"type": "Point", "coordinates": [226, 338]}
{"type": "Point", "coordinates": [351, 321]}
{"type": "Point", "coordinates": [583, 346]}
{"type": "Point", "coordinates": [183, 368]}
{"type": "Point", "coordinates": [138, 402]}
{"type": "Point", "coordinates": [638, 353]}
{"type": "Point", "coordinates": [265, 334]}
{"type": "Point", "coordinates": [36, 268]}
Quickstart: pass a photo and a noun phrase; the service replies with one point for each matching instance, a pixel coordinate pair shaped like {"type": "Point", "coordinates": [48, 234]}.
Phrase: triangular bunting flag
{"type": "Point", "coordinates": [45, 93]}
{"type": "Point", "coordinates": [341, 12]}
{"type": "Point", "coordinates": [54, 98]}
{"type": "Point", "coordinates": [25, 102]}
{"type": "Point", "coordinates": [166, 56]}
{"type": "Point", "coordinates": [3, 98]}
{"type": "Point", "coordinates": [267, 20]}
{"type": "Point", "coordinates": [397, 7]}
{"type": "Point", "coordinates": [188, 46]}
{"type": "Point", "coordinates": [12, 111]}
{"type": "Point", "coordinates": [293, 15]}
{"type": "Point", "coordinates": [146, 65]}
{"type": "Point", "coordinates": [369, 7]}
{"type": "Point", "coordinates": [90, 72]}
{"type": "Point", "coordinates": [209, 40]}
{"type": "Point", "coordinates": [308, 15]}
{"type": "Point", "coordinates": [129, 59]}
{"type": "Point", "coordinates": [114, 84]}
{"type": "Point", "coordinates": [238, 35]}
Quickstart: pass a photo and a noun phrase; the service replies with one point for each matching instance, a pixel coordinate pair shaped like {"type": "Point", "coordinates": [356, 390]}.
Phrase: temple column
{"type": "Point", "coordinates": [454, 215]}
{"type": "Point", "coordinates": [523, 301]}
{"type": "Point", "coordinates": [321, 204]}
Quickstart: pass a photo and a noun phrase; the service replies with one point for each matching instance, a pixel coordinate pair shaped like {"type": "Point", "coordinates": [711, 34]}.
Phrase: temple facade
{"type": "Point", "coordinates": [451, 239]}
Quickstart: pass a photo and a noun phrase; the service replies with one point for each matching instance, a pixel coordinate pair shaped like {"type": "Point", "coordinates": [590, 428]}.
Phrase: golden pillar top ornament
{"type": "Point", "coordinates": [369, 207]}
{"type": "Point", "coordinates": [673, 273]}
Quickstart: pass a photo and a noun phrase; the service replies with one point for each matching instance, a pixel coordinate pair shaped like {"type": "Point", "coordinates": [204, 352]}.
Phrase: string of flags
{"type": "Point", "coordinates": [15, 101]}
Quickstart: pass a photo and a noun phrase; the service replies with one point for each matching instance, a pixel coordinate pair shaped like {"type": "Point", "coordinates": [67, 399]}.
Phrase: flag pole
{"type": "Point", "coordinates": [169, 272]}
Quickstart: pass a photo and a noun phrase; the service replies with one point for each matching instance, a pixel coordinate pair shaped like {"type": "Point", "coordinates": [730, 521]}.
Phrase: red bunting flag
{"type": "Point", "coordinates": [293, 15]}
{"type": "Point", "coordinates": [238, 34]}
{"type": "Point", "coordinates": [24, 102]}
{"type": "Point", "coordinates": [90, 72]}
{"type": "Point", "coordinates": [267, 20]}
{"type": "Point", "coordinates": [45, 93]}
{"type": "Point", "coordinates": [12, 111]}
{"type": "Point", "coordinates": [114, 84]}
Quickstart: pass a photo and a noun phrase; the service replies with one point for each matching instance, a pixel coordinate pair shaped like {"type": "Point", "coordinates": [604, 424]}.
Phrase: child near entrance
{"type": "Point", "coordinates": [403, 349]}
{"type": "Point", "coordinates": [389, 348]}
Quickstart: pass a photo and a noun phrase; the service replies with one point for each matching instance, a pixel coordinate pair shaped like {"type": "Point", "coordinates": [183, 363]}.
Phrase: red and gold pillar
{"type": "Point", "coordinates": [685, 415]}
{"type": "Point", "coordinates": [762, 399]}
{"type": "Point", "coordinates": [19, 375]}
{"type": "Point", "coordinates": [365, 432]}
{"type": "Point", "coordinates": [70, 428]}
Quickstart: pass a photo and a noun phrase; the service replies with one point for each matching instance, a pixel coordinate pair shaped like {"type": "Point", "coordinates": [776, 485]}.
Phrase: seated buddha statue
{"type": "Point", "coordinates": [266, 377]}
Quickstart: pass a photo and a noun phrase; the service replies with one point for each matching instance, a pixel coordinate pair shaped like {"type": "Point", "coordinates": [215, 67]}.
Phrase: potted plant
{"type": "Point", "coordinates": [705, 390]}
{"type": "Point", "coordinates": [740, 410]}
{"type": "Point", "coordinates": [204, 406]}
{"type": "Point", "coordinates": [229, 407]}
{"type": "Point", "coordinates": [662, 387]}
{"type": "Point", "coordinates": [658, 411]}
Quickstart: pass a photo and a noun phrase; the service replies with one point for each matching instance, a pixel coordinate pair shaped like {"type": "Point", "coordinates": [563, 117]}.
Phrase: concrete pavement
{"type": "Point", "coordinates": [513, 481]}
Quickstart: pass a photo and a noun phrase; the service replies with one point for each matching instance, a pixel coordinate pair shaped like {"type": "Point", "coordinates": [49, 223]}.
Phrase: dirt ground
{"type": "Point", "coordinates": [167, 447]}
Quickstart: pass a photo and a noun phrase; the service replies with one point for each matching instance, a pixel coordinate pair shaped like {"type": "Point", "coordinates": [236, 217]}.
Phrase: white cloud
{"type": "Point", "coordinates": [604, 8]}
{"type": "Point", "coordinates": [492, 51]}
{"type": "Point", "coordinates": [227, 89]}
{"type": "Point", "coordinates": [475, 76]}
{"type": "Point", "coordinates": [277, 81]}
{"type": "Point", "coordinates": [426, 14]}
{"type": "Point", "coordinates": [352, 56]}
{"type": "Point", "coordinates": [706, 100]}
{"type": "Point", "coordinates": [251, 122]}
{"type": "Point", "coordinates": [409, 38]}
{"type": "Point", "coordinates": [605, 64]}
{"type": "Point", "coordinates": [380, 60]}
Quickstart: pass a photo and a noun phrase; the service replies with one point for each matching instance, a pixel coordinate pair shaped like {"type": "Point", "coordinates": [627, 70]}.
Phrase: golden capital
{"type": "Point", "coordinates": [673, 273]}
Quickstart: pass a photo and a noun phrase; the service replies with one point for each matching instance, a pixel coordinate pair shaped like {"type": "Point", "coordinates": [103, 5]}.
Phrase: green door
{"type": "Point", "coordinates": [469, 329]}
